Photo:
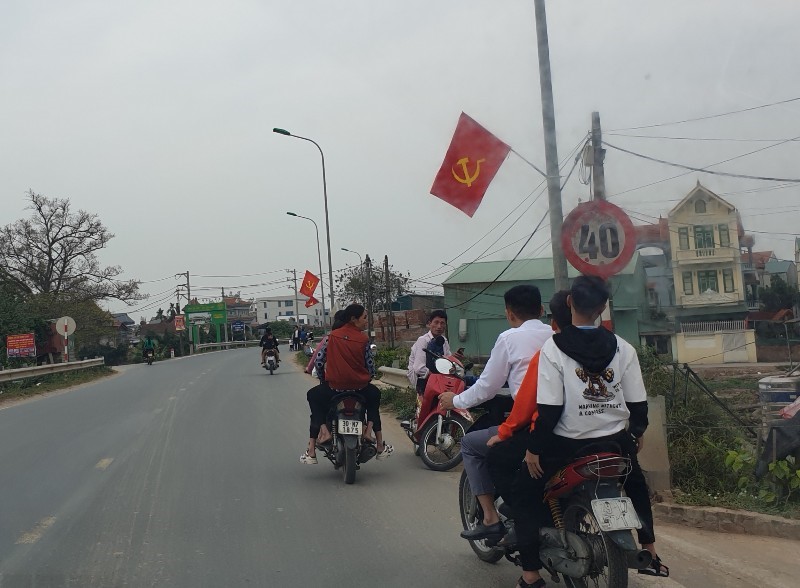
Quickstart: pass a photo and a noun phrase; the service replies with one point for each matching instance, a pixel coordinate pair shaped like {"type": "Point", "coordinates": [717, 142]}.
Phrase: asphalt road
{"type": "Point", "coordinates": [186, 473]}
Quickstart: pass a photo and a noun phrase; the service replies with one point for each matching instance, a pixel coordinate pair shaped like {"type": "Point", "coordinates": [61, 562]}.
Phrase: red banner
{"type": "Point", "coordinates": [470, 165]}
{"type": "Point", "coordinates": [21, 345]}
{"type": "Point", "coordinates": [310, 282]}
{"type": "Point", "coordinates": [311, 302]}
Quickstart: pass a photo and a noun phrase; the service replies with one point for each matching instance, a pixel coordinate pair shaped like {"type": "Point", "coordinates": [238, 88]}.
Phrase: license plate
{"type": "Point", "coordinates": [349, 427]}
{"type": "Point", "coordinates": [615, 514]}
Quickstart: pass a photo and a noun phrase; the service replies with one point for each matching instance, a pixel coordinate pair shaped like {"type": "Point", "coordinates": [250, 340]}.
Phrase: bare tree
{"type": "Point", "coordinates": [54, 253]}
{"type": "Point", "coordinates": [354, 285]}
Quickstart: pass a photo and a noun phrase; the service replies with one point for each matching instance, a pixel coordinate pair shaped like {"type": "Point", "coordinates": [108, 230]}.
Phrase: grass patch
{"type": "Point", "coordinates": [50, 382]}
{"type": "Point", "coordinates": [737, 501]}
{"type": "Point", "coordinates": [403, 401]}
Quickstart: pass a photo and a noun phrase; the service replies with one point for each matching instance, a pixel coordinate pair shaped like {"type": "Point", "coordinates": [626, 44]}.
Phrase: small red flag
{"type": "Point", "coordinates": [310, 282]}
{"type": "Point", "coordinates": [311, 302]}
{"type": "Point", "coordinates": [470, 165]}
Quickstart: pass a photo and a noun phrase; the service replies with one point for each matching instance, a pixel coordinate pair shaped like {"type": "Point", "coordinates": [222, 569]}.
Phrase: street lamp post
{"type": "Point", "coordinates": [319, 258]}
{"type": "Point", "coordinates": [325, 194]}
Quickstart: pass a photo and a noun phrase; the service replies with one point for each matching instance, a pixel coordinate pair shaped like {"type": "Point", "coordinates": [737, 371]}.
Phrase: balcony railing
{"type": "Point", "coordinates": [705, 252]}
{"type": "Point", "coordinates": [706, 327]}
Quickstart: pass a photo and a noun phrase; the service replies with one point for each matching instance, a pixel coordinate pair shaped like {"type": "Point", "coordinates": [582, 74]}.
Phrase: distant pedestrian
{"type": "Point", "coordinates": [294, 344]}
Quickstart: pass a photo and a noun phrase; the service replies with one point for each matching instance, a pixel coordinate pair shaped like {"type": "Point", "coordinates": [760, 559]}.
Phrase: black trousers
{"type": "Point", "coordinates": [530, 513]}
{"type": "Point", "coordinates": [319, 400]}
{"type": "Point", "coordinates": [504, 461]}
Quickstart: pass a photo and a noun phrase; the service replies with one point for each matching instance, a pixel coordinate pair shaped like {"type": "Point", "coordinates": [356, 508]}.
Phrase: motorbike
{"type": "Point", "coordinates": [590, 542]}
{"type": "Point", "coordinates": [149, 356]}
{"type": "Point", "coordinates": [436, 433]}
{"type": "Point", "coordinates": [270, 361]}
{"type": "Point", "coordinates": [347, 420]}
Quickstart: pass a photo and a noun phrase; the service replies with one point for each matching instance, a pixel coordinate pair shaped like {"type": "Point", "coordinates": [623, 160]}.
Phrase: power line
{"type": "Point", "coordinates": [707, 117]}
{"type": "Point", "coordinates": [673, 138]}
{"type": "Point", "coordinates": [704, 170]}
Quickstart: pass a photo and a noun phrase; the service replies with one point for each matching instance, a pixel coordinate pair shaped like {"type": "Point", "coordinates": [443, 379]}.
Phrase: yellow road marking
{"type": "Point", "coordinates": [36, 533]}
{"type": "Point", "coordinates": [103, 464]}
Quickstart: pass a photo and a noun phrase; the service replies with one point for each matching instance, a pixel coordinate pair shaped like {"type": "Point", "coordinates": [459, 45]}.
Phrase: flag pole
{"type": "Point", "coordinates": [550, 149]}
{"type": "Point", "coordinates": [517, 153]}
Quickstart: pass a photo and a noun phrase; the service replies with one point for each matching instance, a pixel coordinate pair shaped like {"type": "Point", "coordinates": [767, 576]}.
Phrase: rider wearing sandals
{"type": "Point", "coordinates": [582, 354]}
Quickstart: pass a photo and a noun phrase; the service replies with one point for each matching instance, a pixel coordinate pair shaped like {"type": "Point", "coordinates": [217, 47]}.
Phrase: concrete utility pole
{"type": "Point", "coordinates": [389, 315]}
{"type": "Point", "coordinates": [598, 155]}
{"type": "Point", "coordinates": [550, 149]}
{"type": "Point", "coordinates": [296, 300]}
{"type": "Point", "coordinates": [190, 329]}
{"type": "Point", "coordinates": [368, 271]}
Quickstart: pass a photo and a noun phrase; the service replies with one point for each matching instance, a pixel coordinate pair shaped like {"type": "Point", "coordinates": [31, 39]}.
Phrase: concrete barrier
{"type": "Point", "coordinates": [394, 377]}
{"type": "Point", "coordinates": [51, 368]}
{"type": "Point", "coordinates": [654, 457]}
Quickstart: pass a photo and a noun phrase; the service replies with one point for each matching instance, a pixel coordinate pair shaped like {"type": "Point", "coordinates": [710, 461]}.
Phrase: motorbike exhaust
{"type": "Point", "coordinates": [638, 560]}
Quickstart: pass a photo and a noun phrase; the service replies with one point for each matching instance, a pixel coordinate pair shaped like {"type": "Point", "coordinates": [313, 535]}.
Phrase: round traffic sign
{"type": "Point", "coordinates": [65, 325]}
{"type": "Point", "coordinates": [598, 238]}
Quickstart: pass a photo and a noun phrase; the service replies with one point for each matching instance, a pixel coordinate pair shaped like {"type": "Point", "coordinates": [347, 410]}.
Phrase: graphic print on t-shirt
{"type": "Point", "coordinates": [596, 389]}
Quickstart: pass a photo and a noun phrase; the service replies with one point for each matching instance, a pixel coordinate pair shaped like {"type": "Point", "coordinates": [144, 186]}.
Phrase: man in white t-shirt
{"type": "Point", "coordinates": [417, 369]}
{"type": "Point", "coordinates": [589, 388]}
{"type": "Point", "coordinates": [508, 362]}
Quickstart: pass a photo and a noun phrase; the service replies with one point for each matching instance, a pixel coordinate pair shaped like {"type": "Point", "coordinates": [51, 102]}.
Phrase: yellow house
{"type": "Point", "coordinates": [710, 304]}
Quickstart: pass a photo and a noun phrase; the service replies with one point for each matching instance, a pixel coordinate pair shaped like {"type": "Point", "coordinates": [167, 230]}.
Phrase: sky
{"type": "Point", "coordinates": [158, 117]}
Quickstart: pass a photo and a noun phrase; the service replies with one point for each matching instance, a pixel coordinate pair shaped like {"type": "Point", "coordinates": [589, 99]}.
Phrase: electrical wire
{"type": "Point", "coordinates": [672, 138]}
{"type": "Point", "coordinates": [705, 170]}
{"type": "Point", "coordinates": [707, 117]}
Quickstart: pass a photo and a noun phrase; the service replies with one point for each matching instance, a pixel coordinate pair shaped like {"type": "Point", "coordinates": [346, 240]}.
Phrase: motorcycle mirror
{"type": "Point", "coordinates": [443, 366]}
{"type": "Point", "coordinates": [373, 347]}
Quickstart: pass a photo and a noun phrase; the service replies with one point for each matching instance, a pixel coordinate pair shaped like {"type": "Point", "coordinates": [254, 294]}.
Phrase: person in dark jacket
{"type": "Point", "coordinates": [589, 386]}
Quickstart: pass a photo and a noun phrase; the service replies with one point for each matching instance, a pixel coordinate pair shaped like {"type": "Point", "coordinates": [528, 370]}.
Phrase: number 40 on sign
{"type": "Point", "coordinates": [598, 238]}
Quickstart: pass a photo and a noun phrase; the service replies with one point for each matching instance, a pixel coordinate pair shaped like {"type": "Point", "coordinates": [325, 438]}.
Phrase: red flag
{"type": "Point", "coordinates": [310, 282]}
{"type": "Point", "coordinates": [311, 302]}
{"type": "Point", "coordinates": [470, 165]}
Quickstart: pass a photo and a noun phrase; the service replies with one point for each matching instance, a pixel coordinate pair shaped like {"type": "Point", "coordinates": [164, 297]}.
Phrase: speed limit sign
{"type": "Point", "coordinates": [598, 238]}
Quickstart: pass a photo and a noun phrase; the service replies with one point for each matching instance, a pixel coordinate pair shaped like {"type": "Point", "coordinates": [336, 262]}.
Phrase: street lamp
{"type": "Point", "coordinates": [325, 194]}
{"type": "Point", "coordinates": [319, 258]}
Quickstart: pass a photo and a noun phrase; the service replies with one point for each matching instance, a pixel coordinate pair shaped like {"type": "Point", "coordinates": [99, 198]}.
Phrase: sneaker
{"type": "Point", "coordinates": [308, 459]}
{"type": "Point", "coordinates": [387, 451]}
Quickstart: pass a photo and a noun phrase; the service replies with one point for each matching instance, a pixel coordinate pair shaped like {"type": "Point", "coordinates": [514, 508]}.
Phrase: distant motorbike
{"type": "Point", "coordinates": [347, 420]}
{"type": "Point", "coordinates": [271, 361]}
{"type": "Point", "coordinates": [149, 356]}
{"type": "Point", "coordinates": [436, 433]}
{"type": "Point", "coordinates": [590, 542]}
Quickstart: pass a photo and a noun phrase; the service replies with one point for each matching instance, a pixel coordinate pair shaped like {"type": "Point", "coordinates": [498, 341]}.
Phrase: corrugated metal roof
{"type": "Point", "coordinates": [539, 268]}
{"type": "Point", "coordinates": [777, 266]}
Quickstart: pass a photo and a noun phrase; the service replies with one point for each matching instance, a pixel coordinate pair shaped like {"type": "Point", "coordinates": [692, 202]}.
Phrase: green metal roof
{"type": "Point", "coordinates": [539, 268]}
{"type": "Point", "coordinates": [777, 266]}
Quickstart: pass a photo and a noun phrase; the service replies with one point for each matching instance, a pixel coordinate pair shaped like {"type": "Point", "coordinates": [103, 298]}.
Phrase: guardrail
{"type": "Point", "coordinates": [51, 368]}
{"type": "Point", "coordinates": [394, 377]}
{"type": "Point", "coordinates": [229, 344]}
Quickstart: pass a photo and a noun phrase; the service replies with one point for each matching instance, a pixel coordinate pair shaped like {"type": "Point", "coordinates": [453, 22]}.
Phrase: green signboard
{"type": "Point", "coordinates": [213, 313]}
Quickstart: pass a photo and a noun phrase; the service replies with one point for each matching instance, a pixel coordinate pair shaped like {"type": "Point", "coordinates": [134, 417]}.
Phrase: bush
{"type": "Point", "coordinates": [386, 356]}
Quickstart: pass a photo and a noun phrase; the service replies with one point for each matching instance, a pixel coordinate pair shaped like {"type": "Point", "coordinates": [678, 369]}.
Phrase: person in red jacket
{"type": "Point", "coordinates": [347, 362]}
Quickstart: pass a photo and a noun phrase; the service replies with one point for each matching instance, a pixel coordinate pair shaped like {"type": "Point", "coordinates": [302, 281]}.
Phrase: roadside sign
{"type": "Point", "coordinates": [65, 326]}
{"type": "Point", "coordinates": [237, 326]}
{"type": "Point", "coordinates": [21, 345]}
{"type": "Point", "coordinates": [180, 322]}
{"type": "Point", "coordinates": [598, 238]}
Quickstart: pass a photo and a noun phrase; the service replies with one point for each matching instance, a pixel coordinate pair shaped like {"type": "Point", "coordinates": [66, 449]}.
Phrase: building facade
{"type": "Point", "coordinates": [285, 308]}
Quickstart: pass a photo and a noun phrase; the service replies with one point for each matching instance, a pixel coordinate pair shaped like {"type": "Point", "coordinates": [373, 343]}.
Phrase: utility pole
{"type": "Point", "coordinates": [550, 149]}
{"type": "Point", "coordinates": [599, 191]}
{"type": "Point", "coordinates": [296, 303]}
{"type": "Point", "coordinates": [389, 315]}
{"type": "Point", "coordinates": [188, 301]}
{"type": "Point", "coordinates": [598, 155]}
{"type": "Point", "coordinates": [368, 268]}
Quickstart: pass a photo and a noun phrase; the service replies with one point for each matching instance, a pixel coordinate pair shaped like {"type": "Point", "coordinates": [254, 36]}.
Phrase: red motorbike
{"type": "Point", "coordinates": [436, 433]}
{"type": "Point", "coordinates": [590, 542]}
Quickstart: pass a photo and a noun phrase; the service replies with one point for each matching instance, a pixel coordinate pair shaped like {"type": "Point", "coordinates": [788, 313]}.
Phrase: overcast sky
{"type": "Point", "coordinates": [158, 116]}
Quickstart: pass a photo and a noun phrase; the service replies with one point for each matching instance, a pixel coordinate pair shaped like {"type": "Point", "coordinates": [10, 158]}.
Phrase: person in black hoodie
{"type": "Point", "coordinates": [590, 385]}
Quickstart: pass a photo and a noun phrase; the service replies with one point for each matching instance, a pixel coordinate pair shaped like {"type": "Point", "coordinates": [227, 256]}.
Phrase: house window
{"type": "Point", "coordinates": [724, 236]}
{"type": "Point", "coordinates": [688, 287]}
{"type": "Point", "coordinates": [683, 237]}
{"type": "Point", "coordinates": [289, 313]}
{"type": "Point", "coordinates": [727, 280]}
{"type": "Point", "coordinates": [703, 237]}
{"type": "Point", "coordinates": [279, 303]}
{"type": "Point", "coordinates": [288, 303]}
{"type": "Point", "coordinates": [700, 206]}
{"type": "Point", "coordinates": [707, 280]}
{"type": "Point", "coordinates": [265, 304]}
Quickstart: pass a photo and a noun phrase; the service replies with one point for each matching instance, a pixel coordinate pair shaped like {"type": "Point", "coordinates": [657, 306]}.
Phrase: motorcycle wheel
{"type": "Point", "coordinates": [471, 516]}
{"type": "Point", "coordinates": [433, 455]}
{"type": "Point", "coordinates": [271, 369]}
{"type": "Point", "coordinates": [350, 465]}
{"type": "Point", "coordinates": [579, 518]}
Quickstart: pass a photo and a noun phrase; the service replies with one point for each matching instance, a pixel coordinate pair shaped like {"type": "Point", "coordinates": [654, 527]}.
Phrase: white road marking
{"type": "Point", "coordinates": [36, 533]}
{"type": "Point", "coordinates": [103, 464]}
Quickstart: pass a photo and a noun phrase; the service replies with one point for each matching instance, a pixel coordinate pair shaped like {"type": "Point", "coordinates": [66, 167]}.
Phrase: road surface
{"type": "Point", "coordinates": [186, 473]}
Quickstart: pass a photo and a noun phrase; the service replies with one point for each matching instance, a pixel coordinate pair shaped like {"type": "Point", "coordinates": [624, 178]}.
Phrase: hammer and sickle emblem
{"type": "Point", "coordinates": [467, 178]}
{"type": "Point", "coordinates": [309, 284]}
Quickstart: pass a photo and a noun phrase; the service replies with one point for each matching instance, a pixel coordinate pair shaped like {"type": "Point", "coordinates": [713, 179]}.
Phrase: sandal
{"type": "Point", "coordinates": [540, 583]}
{"type": "Point", "coordinates": [308, 459]}
{"type": "Point", "coordinates": [656, 568]}
{"type": "Point", "coordinates": [387, 451]}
